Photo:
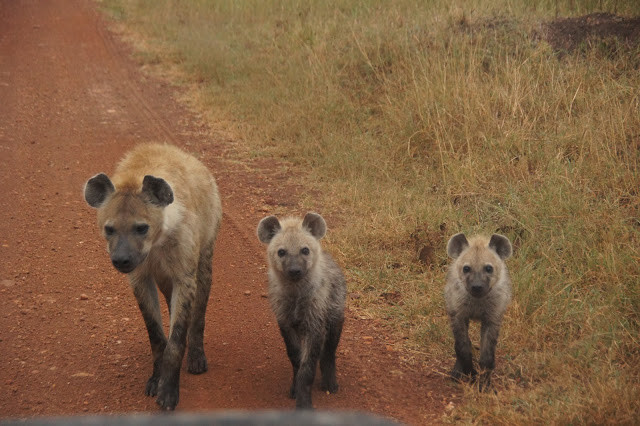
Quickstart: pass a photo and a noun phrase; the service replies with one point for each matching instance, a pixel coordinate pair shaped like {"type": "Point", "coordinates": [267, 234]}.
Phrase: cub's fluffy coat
{"type": "Point", "coordinates": [478, 288]}
{"type": "Point", "coordinates": [160, 214]}
{"type": "Point", "coordinates": [307, 292]}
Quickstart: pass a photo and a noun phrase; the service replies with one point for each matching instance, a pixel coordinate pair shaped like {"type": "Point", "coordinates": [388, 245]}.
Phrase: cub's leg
{"type": "Point", "coordinates": [146, 294]}
{"type": "Point", "coordinates": [196, 359]}
{"type": "Point", "coordinates": [328, 358]}
{"type": "Point", "coordinates": [310, 347]}
{"type": "Point", "coordinates": [488, 340]}
{"type": "Point", "coordinates": [292, 344]}
{"type": "Point", "coordinates": [181, 302]}
{"type": "Point", "coordinates": [464, 361]}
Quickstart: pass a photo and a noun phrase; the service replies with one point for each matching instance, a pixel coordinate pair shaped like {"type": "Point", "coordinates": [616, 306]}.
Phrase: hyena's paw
{"type": "Point", "coordinates": [152, 386]}
{"type": "Point", "coordinates": [304, 404]}
{"type": "Point", "coordinates": [484, 384]}
{"type": "Point", "coordinates": [459, 375]}
{"type": "Point", "coordinates": [330, 386]}
{"type": "Point", "coordinates": [168, 396]}
{"type": "Point", "coordinates": [196, 362]}
{"type": "Point", "coordinates": [456, 374]}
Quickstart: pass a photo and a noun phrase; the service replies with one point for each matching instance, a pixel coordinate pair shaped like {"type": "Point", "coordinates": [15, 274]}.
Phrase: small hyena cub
{"type": "Point", "coordinates": [307, 292]}
{"type": "Point", "coordinates": [478, 288]}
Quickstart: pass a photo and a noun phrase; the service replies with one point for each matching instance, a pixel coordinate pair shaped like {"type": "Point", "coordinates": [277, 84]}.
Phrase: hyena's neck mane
{"type": "Point", "coordinates": [173, 215]}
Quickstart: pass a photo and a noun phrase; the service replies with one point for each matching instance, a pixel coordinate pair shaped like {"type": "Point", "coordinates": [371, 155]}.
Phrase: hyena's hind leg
{"type": "Point", "coordinates": [196, 359]}
{"type": "Point", "coordinates": [147, 296]}
{"type": "Point", "coordinates": [328, 357]}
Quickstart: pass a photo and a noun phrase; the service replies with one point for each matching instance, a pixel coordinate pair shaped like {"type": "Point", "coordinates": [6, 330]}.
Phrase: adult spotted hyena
{"type": "Point", "coordinates": [478, 288]}
{"type": "Point", "coordinates": [307, 292]}
{"type": "Point", "coordinates": [160, 214]}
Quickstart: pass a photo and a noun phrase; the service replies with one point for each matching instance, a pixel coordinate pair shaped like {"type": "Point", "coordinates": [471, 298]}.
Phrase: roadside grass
{"type": "Point", "coordinates": [414, 122]}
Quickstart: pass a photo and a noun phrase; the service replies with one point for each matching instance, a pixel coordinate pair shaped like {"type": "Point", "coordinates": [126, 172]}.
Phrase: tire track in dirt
{"type": "Point", "coordinates": [137, 101]}
{"type": "Point", "coordinates": [71, 338]}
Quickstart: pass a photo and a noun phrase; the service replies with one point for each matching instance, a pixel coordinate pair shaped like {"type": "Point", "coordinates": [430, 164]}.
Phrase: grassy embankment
{"type": "Point", "coordinates": [417, 122]}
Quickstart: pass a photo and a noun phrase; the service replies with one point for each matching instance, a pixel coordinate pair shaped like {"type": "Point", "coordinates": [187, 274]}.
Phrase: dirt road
{"type": "Point", "coordinates": [72, 340]}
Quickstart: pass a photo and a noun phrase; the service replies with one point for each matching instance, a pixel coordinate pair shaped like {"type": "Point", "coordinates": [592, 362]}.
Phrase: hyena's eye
{"type": "Point", "coordinates": [141, 229]}
{"type": "Point", "coordinates": [466, 269]}
{"type": "Point", "coordinates": [305, 251]}
{"type": "Point", "coordinates": [489, 269]}
{"type": "Point", "coordinates": [282, 252]}
{"type": "Point", "coordinates": [109, 230]}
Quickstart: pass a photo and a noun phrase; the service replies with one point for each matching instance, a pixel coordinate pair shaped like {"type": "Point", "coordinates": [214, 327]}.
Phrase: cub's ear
{"type": "Point", "coordinates": [456, 245]}
{"type": "Point", "coordinates": [315, 224]}
{"type": "Point", "coordinates": [268, 228]}
{"type": "Point", "coordinates": [97, 189]}
{"type": "Point", "coordinates": [501, 245]}
{"type": "Point", "coordinates": [157, 191]}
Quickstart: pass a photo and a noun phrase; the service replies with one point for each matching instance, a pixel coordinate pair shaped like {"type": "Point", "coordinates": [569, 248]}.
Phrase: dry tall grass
{"type": "Point", "coordinates": [422, 119]}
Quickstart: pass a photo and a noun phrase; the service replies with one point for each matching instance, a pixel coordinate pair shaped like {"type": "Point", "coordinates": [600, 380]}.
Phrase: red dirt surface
{"type": "Point", "coordinates": [72, 341]}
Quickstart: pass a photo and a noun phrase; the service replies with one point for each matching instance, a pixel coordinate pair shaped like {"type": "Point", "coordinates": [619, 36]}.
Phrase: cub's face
{"type": "Point", "coordinates": [130, 227]}
{"type": "Point", "coordinates": [293, 244]}
{"type": "Point", "coordinates": [479, 262]}
{"type": "Point", "coordinates": [293, 252]}
{"type": "Point", "coordinates": [479, 268]}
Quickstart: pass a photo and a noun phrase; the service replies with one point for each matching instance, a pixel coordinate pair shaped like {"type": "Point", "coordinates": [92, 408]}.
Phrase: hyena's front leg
{"type": "Point", "coordinates": [293, 352]}
{"type": "Point", "coordinates": [488, 340]}
{"type": "Point", "coordinates": [328, 358]}
{"type": "Point", "coordinates": [310, 347]}
{"type": "Point", "coordinates": [464, 360]}
{"type": "Point", "coordinates": [146, 294]}
{"type": "Point", "coordinates": [181, 303]}
{"type": "Point", "coordinates": [196, 359]}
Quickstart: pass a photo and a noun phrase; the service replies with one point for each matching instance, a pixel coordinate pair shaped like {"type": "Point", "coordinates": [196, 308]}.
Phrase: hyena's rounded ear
{"type": "Point", "coordinates": [268, 228]}
{"type": "Point", "coordinates": [97, 189]}
{"type": "Point", "coordinates": [501, 245]}
{"type": "Point", "coordinates": [456, 245]}
{"type": "Point", "coordinates": [315, 224]}
{"type": "Point", "coordinates": [157, 191]}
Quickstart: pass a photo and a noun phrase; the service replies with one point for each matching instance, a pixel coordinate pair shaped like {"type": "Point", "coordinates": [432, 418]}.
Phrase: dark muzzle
{"type": "Point", "coordinates": [123, 257]}
{"type": "Point", "coordinates": [477, 289]}
{"type": "Point", "coordinates": [123, 264]}
{"type": "Point", "coordinates": [294, 274]}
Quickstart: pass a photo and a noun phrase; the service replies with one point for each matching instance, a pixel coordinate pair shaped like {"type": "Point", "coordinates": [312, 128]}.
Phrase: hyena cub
{"type": "Point", "coordinates": [307, 292]}
{"type": "Point", "coordinates": [478, 288]}
{"type": "Point", "coordinates": [160, 215]}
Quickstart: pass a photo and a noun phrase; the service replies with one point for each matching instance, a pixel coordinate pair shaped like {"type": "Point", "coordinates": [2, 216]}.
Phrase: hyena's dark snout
{"type": "Point", "coordinates": [123, 264]}
{"type": "Point", "coordinates": [478, 288]}
{"type": "Point", "coordinates": [123, 258]}
{"type": "Point", "coordinates": [294, 273]}
{"type": "Point", "coordinates": [295, 269]}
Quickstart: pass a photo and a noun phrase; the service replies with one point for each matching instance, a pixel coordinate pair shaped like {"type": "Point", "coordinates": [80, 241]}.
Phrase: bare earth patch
{"type": "Point", "coordinates": [568, 34]}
